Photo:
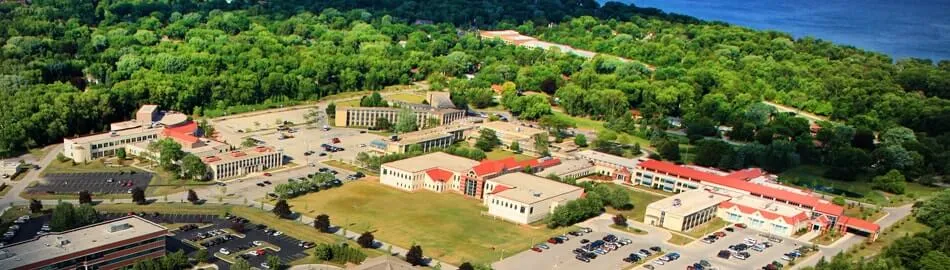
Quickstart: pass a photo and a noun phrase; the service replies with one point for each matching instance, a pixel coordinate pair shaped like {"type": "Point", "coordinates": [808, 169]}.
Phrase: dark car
{"type": "Point", "coordinates": [582, 258]}
{"type": "Point", "coordinates": [730, 229]}
{"type": "Point", "coordinates": [655, 248]}
{"type": "Point", "coordinates": [584, 241]}
{"type": "Point", "coordinates": [725, 254]}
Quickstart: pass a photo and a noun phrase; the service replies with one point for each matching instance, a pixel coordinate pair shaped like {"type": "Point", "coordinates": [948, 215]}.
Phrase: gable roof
{"type": "Point", "coordinates": [860, 224]}
{"type": "Point", "coordinates": [755, 189]}
{"type": "Point", "coordinates": [801, 216]}
{"type": "Point", "coordinates": [440, 175]}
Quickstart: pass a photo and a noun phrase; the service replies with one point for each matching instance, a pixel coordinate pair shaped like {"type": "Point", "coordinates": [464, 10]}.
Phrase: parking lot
{"type": "Point", "coordinates": [96, 183]}
{"type": "Point", "coordinates": [698, 250]}
{"type": "Point", "coordinates": [289, 249]}
{"type": "Point", "coordinates": [562, 256]}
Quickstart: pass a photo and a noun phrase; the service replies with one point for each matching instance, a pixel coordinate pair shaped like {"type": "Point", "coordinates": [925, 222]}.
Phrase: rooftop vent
{"type": "Point", "coordinates": [119, 227]}
{"type": "Point", "coordinates": [677, 202]}
{"type": "Point", "coordinates": [537, 194]}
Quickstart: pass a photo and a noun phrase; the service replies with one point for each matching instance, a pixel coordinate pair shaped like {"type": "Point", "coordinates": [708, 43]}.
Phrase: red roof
{"type": "Point", "coordinates": [860, 224]}
{"type": "Point", "coordinates": [238, 154]}
{"type": "Point", "coordinates": [440, 175]}
{"type": "Point", "coordinates": [755, 189]}
{"type": "Point", "coordinates": [801, 216]}
{"type": "Point", "coordinates": [181, 137]}
{"type": "Point", "coordinates": [497, 88]}
{"type": "Point", "coordinates": [211, 159]}
{"type": "Point", "coordinates": [746, 174]}
{"type": "Point", "coordinates": [499, 188]}
{"type": "Point", "coordinates": [488, 166]}
{"type": "Point", "coordinates": [187, 128]}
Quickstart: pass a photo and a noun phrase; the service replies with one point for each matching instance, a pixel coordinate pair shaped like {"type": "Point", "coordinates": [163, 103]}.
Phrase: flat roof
{"type": "Point", "coordinates": [148, 108]}
{"type": "Point", "coordinates": [766, 205]}
{"type": "Point", "coordinates": [58, 244]}
{"type": "Point", "coordinates": [440, 100]}
{"type": "Point", "coordinates": [124, 125]}
{"type": "Point", "coordinates": [432, 160]}
{"type": "Point", "coordinates": [612, 159]}
{"type": "Point", "coordinates": [430, 134]}
{"type": "Point", "coordinates": [506, 129]}
{"type": "Point", "coordinates": [173, 119]}
{"type": "Point", "coordinates": [688, 202]}
{"type": "Point", "coordinates": [566, 166]}
{"type": "Point", "coordinates": [245, 153]}
{"type": "Point", "coordinates": [527, 188]}
{"type": "Point", "coordinates": [119, 133]}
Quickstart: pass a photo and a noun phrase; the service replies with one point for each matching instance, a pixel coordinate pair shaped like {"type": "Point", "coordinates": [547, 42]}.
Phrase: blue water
{"type": "Point", "coordinates": [899, 28]}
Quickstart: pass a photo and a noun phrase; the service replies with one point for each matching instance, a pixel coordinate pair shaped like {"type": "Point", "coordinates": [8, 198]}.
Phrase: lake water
{"type": "Point", "coordinates": [901, 28]}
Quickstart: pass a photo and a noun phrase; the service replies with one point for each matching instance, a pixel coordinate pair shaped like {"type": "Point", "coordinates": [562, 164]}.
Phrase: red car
{"type": "Point", "coordinates": [536, 249]}
{"type": "Point", "coordinates": [267, 174]}
{"type": "Point", "coordinates": [260, 252]}
{"type": "Point", "coordinates": [740, 225]}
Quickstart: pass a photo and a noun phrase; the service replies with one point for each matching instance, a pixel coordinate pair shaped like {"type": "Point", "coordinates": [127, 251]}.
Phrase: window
{"type": "Point", "coordinates": [522, 209]}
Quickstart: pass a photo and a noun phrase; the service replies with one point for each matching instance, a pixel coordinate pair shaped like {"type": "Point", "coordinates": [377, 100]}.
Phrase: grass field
{"type": "Point", "coordinates": [447, 226]}
{"type": "Point", "coordinates": [406, 97]}
{"type": "Point", "coordinates": [640, 200]}
{"type": "Point", "coordinates": [5, 189]}
{"type": "Point", "coordinates": [811, 173]}
{"type": "Point", "coordinates": [679, 240]}
{"type": "Point", "coordinates": [497, 154]}
{"type": "Point", "coordinates": [709, 227]}
{"type": "Point", "coordinates": [345, 166]}
{"type": "Point", "coordinates": [582, 122]}
{"type": "Point", "coordinates": [900, 229]}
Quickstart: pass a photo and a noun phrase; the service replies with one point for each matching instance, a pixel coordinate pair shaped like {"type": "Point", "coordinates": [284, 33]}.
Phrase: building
{"type": "Point", "coordinates": [149, 124]}
{"type": "Point", "coordinates": [619, 168]}
{"type": "Point", "coordinates": [474, 183]}
{"type": "Point", "coordinates": [380, 263]}
{"type": "Point", "coordinates": [509, 133]}
{"type": "Point", "coordinates": [768, 209]}
{"type": "Point", "coordinates": [569, 169]}
{"type": "Point", "coordinates": [241, 162]}
{"type": "Point", "coordinates": [439, 107]}
{"type": "Point", "coordinates": [436, 171]}
{"type": "Point", "coordinates": [113, 244]}
{"type": "Point", "coordinates": [427, 139]}
{"type": "Point", "coordinates": [683, 211]}
{"type": "Point", "coordinates": [524, 198]}
{"type": "Point", "coordinates": [10, 169]}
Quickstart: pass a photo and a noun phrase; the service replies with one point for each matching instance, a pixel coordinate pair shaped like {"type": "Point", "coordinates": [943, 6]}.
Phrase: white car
{"type": "Point", "coordinates": [750, 241]}
{"type": "Point", "coordinates": [659, 262]}
{"type": "Point", "coordinates": [225, 251]}
{"type": "Point", "coordinates": [278, 233]}
{"type": "Point", "coordinates": [265, 265]}
{"type": "Point", "coordinates": [257, 243]}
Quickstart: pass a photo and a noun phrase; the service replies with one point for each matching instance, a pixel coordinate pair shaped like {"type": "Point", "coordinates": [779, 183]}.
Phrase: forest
{"type": "Point", "coordinates": [71, 67]}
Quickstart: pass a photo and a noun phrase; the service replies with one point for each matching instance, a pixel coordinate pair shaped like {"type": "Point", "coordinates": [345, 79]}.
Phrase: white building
{"type": "Point", "coordinates": [435, 171]}
{"type": "Point", "coordinates": [241, 162]}
{"type": "Point", "coordinates": [523, 198]}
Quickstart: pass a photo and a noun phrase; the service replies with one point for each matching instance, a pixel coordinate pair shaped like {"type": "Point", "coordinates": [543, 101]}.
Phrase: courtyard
{"type": "Point", "coordinates": [448, 226]}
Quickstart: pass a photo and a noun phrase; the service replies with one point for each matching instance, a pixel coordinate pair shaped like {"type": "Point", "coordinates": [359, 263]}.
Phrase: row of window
{"type": "Point", "coordinates": [123, 141]}
{"type": "Point", "coordinates": [249, 165]}
{"type": "Point", "coordinates": [513, 206]}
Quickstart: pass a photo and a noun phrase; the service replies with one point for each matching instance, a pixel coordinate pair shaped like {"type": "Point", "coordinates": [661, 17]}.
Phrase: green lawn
{"type": "Point", "coordinates": [92, 166]}
{"type": "Point", "coordinates": [640, 200]}
{"type": "Point", "coordinates": [448, 226]}
{"type": "Point", "coordinates": [888, 236]}
{"type": "Point", "coordinates": [406, 97]}
{"type": "Point", "coordinates": [497, 154]}
{"type": "Point", "coordinates": [679, 240]}
{"type": "Point", "coordinates": [345, 166]}
{"type": "Point", "coordinates": [582, 122]}
{"type": "Point", "coordinates": [808, 174]}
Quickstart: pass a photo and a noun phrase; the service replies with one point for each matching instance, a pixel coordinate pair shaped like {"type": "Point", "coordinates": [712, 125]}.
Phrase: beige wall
{"type": "Point", "coordinates": [408, 181]}
{"type": "Point", "coordinates": [366, 117]}
{"type": "Point", "coordinates": [511, 210]}
{"type": "Point", "coordinates": [243, 166]}
{"type": "Point", "coordinates": [757, 222]}
{"type": "Point", "coordinates": [83, 152]}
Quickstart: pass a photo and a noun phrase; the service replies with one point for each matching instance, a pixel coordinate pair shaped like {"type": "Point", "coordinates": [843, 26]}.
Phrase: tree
{"type": "Point", "coordinates": [273, 261]}
{"type": "Point", "coordinates": [85, 197]}
{"type": "Point", "coordinates": [839, 201]}
{"type": "Point", "coordinates": [407, 121]}
{"type": "Point", "coordinates": [331, 110]}
{"type": "Point", "coordinates": [323, 252]}
{"type": "Point", "coordinates": [63, 217]}
{"type": "Point", "coordinates": [432, 122]}
{"type": "Point", "coordinates": [541, 144]}
{"type": "Point", "coordinates": [515, 147]}
{"type": "Point", "coordinates": [669, 150]}
{"type": "Point", "coordinates": [248, 142]}
{"type": "Point", "coordinates": [202, 256]}
{"type": "Point", "coordinates": [322, 223]}
{"type": "Point", "coordinates": [620, 220]}
{"type": "Point", "coordinates": [366, 240]}
{"type": "Point", "coordinates": [207, 130]}
{"type": "Point", "coordinates": [892, 182]}
{"type": "Point", "coordinates": [86, 215]}
{"type": "Point", "coordinates": [414, 256]}
{"type": "Point", "coordinates": [138, 195]}
{"type": "Point", "coordinates": [382, 124]}
{"type": "Point", "coordinates": [120, 153]}
{"type": "Point", "coordinates": [193, 197]}
{"type": "Point", "coordinates": [711, 152]}
{"type": "Point", "coordinates": [898, 136]}
{"type": "Point", "coordinates": [580, 140]}
{"type": "Point", "coordinates": [35, 206]}
{"type": "Point", "coordinates": [935, 212]}
{"type": "Point", "coordinates": [466, 266]}
{"type": "Point", "coordinates": [487, 140]}
{"type": "Point", "coordinates": [934, 260]}
{"type": "Point", "coordinates": [193, 168]}
{"type": "Point", "coordinates": [282, 209]}
{"type": "Point", "coordinates": [240, 264]}
{"type": "Point", "coordinates": [169, 151]}
{"type": "Point", "coordinates": [373, 100]}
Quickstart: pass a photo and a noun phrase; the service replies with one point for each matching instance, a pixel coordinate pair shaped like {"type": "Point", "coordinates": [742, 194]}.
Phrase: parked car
{"type": "Point", "coordinates": [585, 241]}
{"type": "Point", "coordinates": [543, 245]}
{"type": "Point", "coordinates": [224, 251]}
{"type": "Point", "coordinates": [730, 229]}
{"type": "Point", "coordinates": [655, 248]}
{"type": "Point", "coordinates": [582, 258]}
{"type": "Point", "coordinates": [741, 225]}
{"type": "Point", "coordinates": [535, 249]}
{"type": "Point", "coordinates": [720, 234]}
{"type": "Point", "coordinates": [586, 230]}
{"type": "Point", "coordinates": [267, 174]}
{"type": "Point", "coordinates": [741, 255]}
{"type": "Point", "coordinates": [725, 254]}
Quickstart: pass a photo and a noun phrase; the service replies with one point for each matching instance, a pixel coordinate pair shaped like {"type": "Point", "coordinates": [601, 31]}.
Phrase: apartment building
{"type": "Point", "coordinates": [768, 209]}
{"type": "Point", "coordinates": [149, 124]}
{"type": "Point", "coordinates": [367, 116]}
{"type": "Point", "coordinates": [509, 133]}
{"type": "Point", "coordinates": [524, 198]}
{"type": "Point", "coordinates": [436, 171]}
{"type": "Point", "coordinates": [113, 244]}
{"type": "Point", "coordinates": [240, 162]}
